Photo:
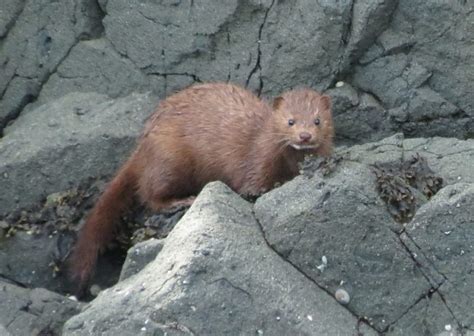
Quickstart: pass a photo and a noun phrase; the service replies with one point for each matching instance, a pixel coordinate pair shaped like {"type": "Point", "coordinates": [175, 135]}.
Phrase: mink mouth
{"type": "Point", "coordinates": [303, 146]}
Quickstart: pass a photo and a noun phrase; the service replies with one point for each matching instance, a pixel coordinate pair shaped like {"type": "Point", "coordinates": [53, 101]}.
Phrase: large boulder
{"type": "Point", "coordinates": [337, 231]}
{"type": "Point", "coordinates": [215, 275]}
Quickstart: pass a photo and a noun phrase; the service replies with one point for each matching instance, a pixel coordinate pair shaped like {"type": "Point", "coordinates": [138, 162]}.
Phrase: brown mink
{"type": "Point", "coordinates": [205, 133]}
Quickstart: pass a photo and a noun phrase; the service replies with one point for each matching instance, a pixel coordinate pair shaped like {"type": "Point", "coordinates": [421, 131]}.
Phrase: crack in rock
{"type": "Point", "coordinates": [299, 270]}
{"type": "Point", "coordinates": [227, 281]}
{"type": "Point", "coordinates": [423, 296]}
{"type": "Point", "coordinates": [258, 66]}
{"type": "Point", "coordinates": [424, 269]}
{"type": "Point", "coordinates": [443, 299]}
{"type": "Point", "coordinates": [11, 24]}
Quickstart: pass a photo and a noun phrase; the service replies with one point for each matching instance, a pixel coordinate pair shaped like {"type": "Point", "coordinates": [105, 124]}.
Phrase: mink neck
{"type": "Point", "coordinates": [280, 155]}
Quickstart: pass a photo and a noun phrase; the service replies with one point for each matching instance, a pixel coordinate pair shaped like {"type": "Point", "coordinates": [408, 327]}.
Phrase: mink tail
{"type": "Point", "coordinates": [101, 224]}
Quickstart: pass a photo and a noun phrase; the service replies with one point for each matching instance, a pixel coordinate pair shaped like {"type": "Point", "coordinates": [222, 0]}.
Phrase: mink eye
{"type": "Point", "coordinates": [291, 122]}
{"type": "Point", "coordinates": [316, 121]}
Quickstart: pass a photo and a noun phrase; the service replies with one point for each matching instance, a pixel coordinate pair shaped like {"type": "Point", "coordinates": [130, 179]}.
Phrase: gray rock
{"type": "Point", "coordinates": [421, 68]}
{"type": "Point", "coordinates": [442, 45]}
{"type": "Point", "coordinates": [417, 71]}
{"type": "Point", "coordinates": [33, 312]}
{"type": "Point", "coordinates": [369, 19]}
{"type": "Point", "coordinates": [3, 331]}
{"type": "Point", "coordinates": [394, 42]}
{"type": "Point", "coordinates": [20, 92]}
{"type": "Point", "coordinates": [387, 150]}
{"type": "Point", "coordinates": [8, 14]}
{"type": "Point", "coordinates": [201, 42]}
{"type": "Point", "coordinates": [448, 220]}
{"type": "Point", "coordinates": [94, 66]}
{"type": "Point", "coordinates": [337, 231]}
{"type": "Point", "coordinates": [450, 158]}
{"type": "Point", "coordinates": [429, 316]}
{"type": "Point", "coordinates": [215, 276]}
{"type": "Point", "coordinates": [30, 259]}
{"type": "Point", "coordinates": [140, 255]}
{"type": "Point", "coordinates": [40, 38]}
{"type": "Point", "coordinates": [247, 42]}
{"type": "Point", "coordinates": [302, 44]}
{"type": "Point", "coordinates": [57, 145]}
{"type": "Point", "coordinates": [358, 118]}
{"type": "Point", "coordinates": [39, 260]}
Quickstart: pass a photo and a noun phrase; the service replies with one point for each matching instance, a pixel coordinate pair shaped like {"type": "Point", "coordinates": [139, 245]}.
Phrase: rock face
{"type": "Point", "coordinates": [36, 37]}
{"type": "Point", "coordinates": [406, 63]}
{"type": "Point", "coordinates": [415, 68]}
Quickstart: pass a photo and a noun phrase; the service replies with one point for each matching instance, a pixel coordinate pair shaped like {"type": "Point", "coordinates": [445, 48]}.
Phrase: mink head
{"type": "Point", "coordinates": [304, 118]}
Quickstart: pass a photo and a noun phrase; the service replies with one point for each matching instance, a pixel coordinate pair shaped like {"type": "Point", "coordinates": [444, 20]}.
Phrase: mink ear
{"type": "Point", "coordinates": [326, 102]}
{"type": "Point", "coordinates": [277, 102]}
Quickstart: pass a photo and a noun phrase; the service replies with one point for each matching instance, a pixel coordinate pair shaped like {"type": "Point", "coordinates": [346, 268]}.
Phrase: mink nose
{"type": "Point", "coordinates": [305, 136]}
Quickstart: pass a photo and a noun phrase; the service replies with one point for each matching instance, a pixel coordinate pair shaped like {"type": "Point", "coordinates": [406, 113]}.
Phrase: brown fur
{"type": "Point", "coordinates": [205, 133]}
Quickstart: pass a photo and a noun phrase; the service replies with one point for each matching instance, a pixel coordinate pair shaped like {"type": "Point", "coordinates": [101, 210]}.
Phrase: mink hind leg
{"type": "Point", "coordinates": [163, 188]}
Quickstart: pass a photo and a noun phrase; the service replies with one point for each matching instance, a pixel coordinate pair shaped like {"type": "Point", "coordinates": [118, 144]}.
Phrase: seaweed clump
{"type": "Point", "coordinates": [405, 186]}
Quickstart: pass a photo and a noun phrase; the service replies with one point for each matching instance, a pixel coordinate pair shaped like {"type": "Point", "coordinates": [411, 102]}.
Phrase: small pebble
{"type": "Point", "coordinates": [342, 296]}
{"type": "Point", "coordinates": [95, 290]}
{"type": "Point", "coordinates": [260, 332]}
{"type": "Point", "coordinates": [310, 317]}
{"type": "Point", "coordinates": [339, 84]}
{"type": "Point", "coordinates": [447, 327]}
{"type": "Point", "coordinates": [278, 318]}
